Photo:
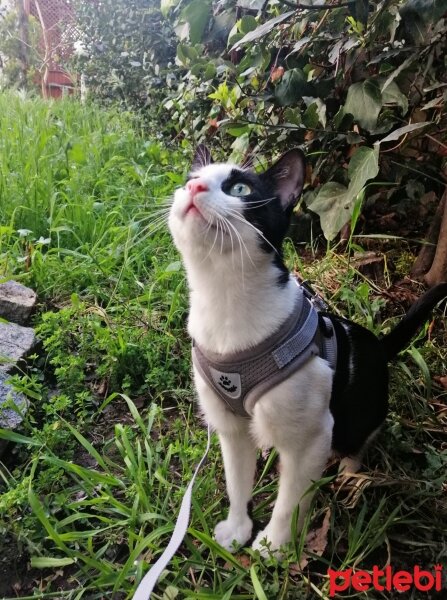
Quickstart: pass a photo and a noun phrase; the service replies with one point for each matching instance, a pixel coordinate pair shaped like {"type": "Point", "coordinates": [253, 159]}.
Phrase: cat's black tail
{"type": "Point", "coordinates": [401, 335]}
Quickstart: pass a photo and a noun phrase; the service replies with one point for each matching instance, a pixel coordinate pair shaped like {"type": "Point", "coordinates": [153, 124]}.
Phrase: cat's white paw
{"type": "Point", "coordinates": [270, 541]}
{"type": "Point", "coordinates": [231, 534]}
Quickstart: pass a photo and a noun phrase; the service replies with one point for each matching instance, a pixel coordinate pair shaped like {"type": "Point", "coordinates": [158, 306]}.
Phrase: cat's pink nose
{"type": "Point", "coordinates": [194, 186]}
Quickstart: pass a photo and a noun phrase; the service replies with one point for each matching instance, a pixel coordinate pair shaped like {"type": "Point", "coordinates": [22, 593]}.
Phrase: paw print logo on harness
{"type": "Point", "coordinates": [227, 384]}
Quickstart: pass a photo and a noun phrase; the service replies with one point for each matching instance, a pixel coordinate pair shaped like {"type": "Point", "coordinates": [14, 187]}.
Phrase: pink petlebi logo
{"type": "Point", "coordinates": [387, 579]}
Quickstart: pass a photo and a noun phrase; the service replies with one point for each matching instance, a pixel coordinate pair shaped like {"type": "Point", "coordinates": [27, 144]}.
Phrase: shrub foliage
{"type": "Point", "coordinates": [361, 86]}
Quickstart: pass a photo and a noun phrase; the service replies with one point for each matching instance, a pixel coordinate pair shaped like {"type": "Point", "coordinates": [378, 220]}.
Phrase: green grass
{"type": "Point", "coordinates": [91, 485]}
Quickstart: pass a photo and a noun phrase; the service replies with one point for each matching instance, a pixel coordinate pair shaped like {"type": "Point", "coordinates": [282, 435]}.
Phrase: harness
{"type": "Point", "coordinates": [241, 378]}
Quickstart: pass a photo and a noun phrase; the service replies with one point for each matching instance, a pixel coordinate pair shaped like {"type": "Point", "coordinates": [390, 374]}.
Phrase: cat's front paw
{"type": "Point", "coordinates": [270, 541]}
{"type": "Point", "coordinates": [231, 534]}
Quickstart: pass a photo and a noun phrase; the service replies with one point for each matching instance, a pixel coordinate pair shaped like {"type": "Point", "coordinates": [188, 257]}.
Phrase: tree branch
{"type": "Point", "coordinates": [299, 6]}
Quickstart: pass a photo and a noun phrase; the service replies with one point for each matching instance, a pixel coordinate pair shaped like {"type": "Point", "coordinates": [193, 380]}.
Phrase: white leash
{"type": "Point", "coordinates": [147, 584]}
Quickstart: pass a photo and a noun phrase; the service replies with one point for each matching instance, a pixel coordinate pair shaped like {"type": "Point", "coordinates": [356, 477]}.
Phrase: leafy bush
{"type": "Point", "coordinates": [124, 46]}
{"type": "Point", "coordinates": [18, 61]}
{"type": "Point", "coordinates": [362, 92]}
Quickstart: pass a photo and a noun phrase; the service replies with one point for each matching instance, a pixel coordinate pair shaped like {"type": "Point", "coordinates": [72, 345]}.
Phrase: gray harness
{"type": "Point", "coordinates": [241, 378]}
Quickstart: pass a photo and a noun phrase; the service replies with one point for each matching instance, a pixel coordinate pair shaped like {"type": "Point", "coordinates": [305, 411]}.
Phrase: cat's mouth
{"type": "Point", "coordinates": [192, 209]}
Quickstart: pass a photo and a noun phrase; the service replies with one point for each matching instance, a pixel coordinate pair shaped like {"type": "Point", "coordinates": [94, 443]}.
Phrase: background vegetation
{"type": "Point", "coordinates": [361, 88]}
{"type": "Point", "coordinates": [91, 485]}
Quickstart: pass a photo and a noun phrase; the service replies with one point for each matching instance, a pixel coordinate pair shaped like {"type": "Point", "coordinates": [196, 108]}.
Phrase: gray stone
{"type": "Point", "coordinates": [15, 343]}
{"type": "Point", "coordinates": [16, 302]}
{"type": "Point", "coordinates": [13, 405]}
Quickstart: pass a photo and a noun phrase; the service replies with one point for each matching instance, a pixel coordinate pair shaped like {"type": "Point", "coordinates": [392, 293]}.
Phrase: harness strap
{"type": "Point", "coordinates": [298, 343]}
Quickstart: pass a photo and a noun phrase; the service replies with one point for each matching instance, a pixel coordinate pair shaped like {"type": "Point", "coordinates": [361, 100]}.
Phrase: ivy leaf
{"type": "Point", "coordinates": [334, 202]}
{"type": "Point", "coordinates": [332, 205]}
{"type": "Point", "coordinates": [364, 102]}
{"type": "Point", "coordinates": [262, 30]}
{"type": "Point", "coordinates": [392, 95]}
{"type": "Point", "coordinates": [363, 165]}
{"type": "Point", "coordinates": [293, 87]}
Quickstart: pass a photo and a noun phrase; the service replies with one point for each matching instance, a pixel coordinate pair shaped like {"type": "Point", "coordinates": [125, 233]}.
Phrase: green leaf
{"type": "Point", "coordinates": [237, 130]}
{"type": "Point", "coordinates": [260, 594]}
{"type": "Point", "coordinates": [315, 113]}
{"type": "Point", "coordinates": [334, 202]}
{"type": "Point", "coordinates": [197, 15]}
{"type": "Point", "coordinates": [76, 153]}
{"type": "Point", "coordinates": [397, 133]}
{"type": "Point", "coordinates": [293, 116]}
{"type": "Point", "coordinates": [262, 30]}
{"type": "Point", "coordinates": [17, 438]}
{"type": "Point", "coordinates": [293, 87]}
{"type": "Point", "coordinates": [364, 102]}
{"type": "Point", "coordinates": [240, 147]}
{"type": "Point", "coordinates": [47, 562]}
{"type": "Point", "coordinates": [364, 165]}
{"type": "Point", "coordinates": [332, 205]}
{"type": "Point", "coordinates": [310, 116]}
{"type": "Point", "coordinates": [247, 24]}
{"type": "Point", "coordinates": [392, 95]}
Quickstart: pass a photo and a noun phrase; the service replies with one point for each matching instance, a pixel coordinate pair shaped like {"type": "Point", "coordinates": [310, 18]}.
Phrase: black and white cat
{"type": "Point", "coordinates": [229, 224]}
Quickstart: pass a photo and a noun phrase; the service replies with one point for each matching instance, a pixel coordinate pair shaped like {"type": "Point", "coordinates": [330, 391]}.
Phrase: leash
{"type": "Point", "coordinates": [147, 584]}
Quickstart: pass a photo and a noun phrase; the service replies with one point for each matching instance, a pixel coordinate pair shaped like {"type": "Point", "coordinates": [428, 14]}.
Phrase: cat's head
{"type": "Point", "coordinates": [226, 209]}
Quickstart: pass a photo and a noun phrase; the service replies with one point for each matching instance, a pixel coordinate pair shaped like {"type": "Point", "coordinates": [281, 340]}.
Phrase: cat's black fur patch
{"type": "Point", "coordinates": [359, 400]}
{"type": "Point", "coordinates": [264, 211]}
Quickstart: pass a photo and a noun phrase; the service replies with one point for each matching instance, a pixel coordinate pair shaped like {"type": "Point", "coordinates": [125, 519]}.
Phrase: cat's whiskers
{"type": "Point", "coordinates": [228, 224]}
{"type": "Point", "coordinates": [250, 205]}
{"type": "Point", "coordinates": [239, 217]}
{"type": "Point", "coordinates": [153, 224]}
{"type": "Point", "coordinates": [242, 244]}
{"type": "Point", "coordinates": [222, 233]}
{"type": "Point", "coordinates": [153, 216]}
{"type": "Point", "coordinates": [228, 231]}
{"type": "Point", "coordinates": [211, 224]}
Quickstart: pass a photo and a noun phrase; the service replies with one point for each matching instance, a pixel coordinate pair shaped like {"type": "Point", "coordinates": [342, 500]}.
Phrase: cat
{"type": "Point", "coordinates": [229, 224]}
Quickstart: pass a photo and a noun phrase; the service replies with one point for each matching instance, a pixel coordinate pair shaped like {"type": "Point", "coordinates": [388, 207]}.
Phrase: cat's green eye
{"type": "Point", "coordinates": [240, 190]}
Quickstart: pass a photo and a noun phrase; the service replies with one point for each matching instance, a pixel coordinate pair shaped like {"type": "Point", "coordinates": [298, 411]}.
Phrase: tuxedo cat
{"type": "Point", "coordinates": [229, 224]}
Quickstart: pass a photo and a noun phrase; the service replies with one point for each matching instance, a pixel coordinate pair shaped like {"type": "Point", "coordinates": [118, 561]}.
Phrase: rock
{"type": "Point", "coordinates": [16, 302]}
{"type": "Point", "coordinates": [15, 343]}
{"type": "Point", "coordinates": [13, 407]}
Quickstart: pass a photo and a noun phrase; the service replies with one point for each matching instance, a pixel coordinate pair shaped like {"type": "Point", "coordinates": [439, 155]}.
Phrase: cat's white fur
{"type": "Point", "coordinates": [234, 304]}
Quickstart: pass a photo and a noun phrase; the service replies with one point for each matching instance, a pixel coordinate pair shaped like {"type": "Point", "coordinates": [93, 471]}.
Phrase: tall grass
{"type": "Point", "coordinates": [75, 188]}
{"type": "Point", "coordinates": [90, 487]}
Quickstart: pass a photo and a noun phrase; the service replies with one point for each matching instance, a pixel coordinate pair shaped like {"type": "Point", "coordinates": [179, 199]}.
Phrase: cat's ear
{"type": "Point", "coordinates": [202, 157]}
{"type": "Point", "coordinates": [288, 175]}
